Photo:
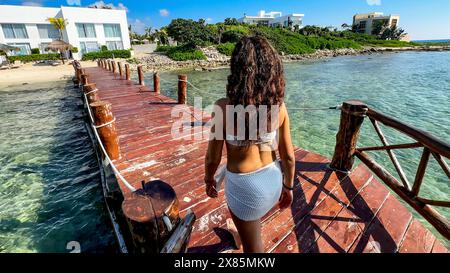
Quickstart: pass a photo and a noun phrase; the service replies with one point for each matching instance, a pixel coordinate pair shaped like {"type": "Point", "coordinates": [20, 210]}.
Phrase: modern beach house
{"type": "Point", "coordinates": [274, 19]}
{"type": "Point", "coordinates": [88, 29]}
{"type": "Point", "coordinates": [366, 22]}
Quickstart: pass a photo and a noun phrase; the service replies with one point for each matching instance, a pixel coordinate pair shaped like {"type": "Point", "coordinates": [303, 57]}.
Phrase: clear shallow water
{"type": "Point", "coordinates": [50, 191]}
{"type": "Point", "coordinates": [413, 87]}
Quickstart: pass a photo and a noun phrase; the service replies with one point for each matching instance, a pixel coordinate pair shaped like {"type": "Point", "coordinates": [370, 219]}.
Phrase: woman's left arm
{"type": "Point", "coordinates": [214, 152]}
{"type": "Point", "coordinates": [212, 161]}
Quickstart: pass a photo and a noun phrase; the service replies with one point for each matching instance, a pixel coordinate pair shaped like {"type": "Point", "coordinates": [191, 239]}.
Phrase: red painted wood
{"type": "Point", "coordinates": [331, 212]}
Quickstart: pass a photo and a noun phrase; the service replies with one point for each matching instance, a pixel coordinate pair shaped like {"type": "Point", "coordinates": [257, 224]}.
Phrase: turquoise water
{"type": "Point", "coordinates": [50, 193]}
{"type": "Point", "coordinates": [413, 87]}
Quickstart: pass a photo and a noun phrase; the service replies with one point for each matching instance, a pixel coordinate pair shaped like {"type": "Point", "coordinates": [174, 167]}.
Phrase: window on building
{"type": "Point", "coordinates": [86, 30]}
{"type": "Point", "coordinates": [362, 26]}
{"type": "Point", "coordinates": [86, 47]}
{"type": "Point", "coordinates": [15, 31]}
{"type": "Point", "coordinates": [114, 45]}
{"type": "Point", "coordinates": [112, 30]}
{"type": "Point", "coordinates": [48, 32]}
{"type": "Point", "coordinates": [24, 49]}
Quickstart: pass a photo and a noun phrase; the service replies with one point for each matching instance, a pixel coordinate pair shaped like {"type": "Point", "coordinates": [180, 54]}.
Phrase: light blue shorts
{"type": "Point", "coordinates": [252, 195]}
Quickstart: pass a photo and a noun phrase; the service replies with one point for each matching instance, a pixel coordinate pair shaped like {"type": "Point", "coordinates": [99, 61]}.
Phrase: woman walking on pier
{"type": "Point", "coordinates": [254, 180]}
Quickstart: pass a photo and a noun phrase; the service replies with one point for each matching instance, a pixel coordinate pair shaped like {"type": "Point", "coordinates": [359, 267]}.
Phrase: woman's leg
{"type": "Point", "coordinates": [250, 233]}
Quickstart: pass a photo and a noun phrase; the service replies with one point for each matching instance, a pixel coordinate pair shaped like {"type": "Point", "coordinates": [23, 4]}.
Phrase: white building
{"type": "Point", "coordinates": [366, 22]}
{"type": "Point", "coordinates": [274, 19]}
{"type": "Point", "coordinates": [88, 29]}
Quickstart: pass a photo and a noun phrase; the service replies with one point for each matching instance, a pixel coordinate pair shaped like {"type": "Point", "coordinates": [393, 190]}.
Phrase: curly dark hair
{"type": "Point", "coordinates": [257, 75]}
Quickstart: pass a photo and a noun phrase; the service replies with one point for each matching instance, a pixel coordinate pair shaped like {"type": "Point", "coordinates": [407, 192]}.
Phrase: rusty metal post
{"type": "Point", "coordinates": [151, 213]}
{"type": "Point", "coordinates": [141, 75]}
{"type": "Point", "coordinates": [156, 79]}
{"type": "Point", "coordinates": [127, 72]}
{"type": "Point", "coordinates": [352, 116]}
{"type": "Point", "coordinates": [114, 67]}
{"type": "Point", "coordinates": [182, 89]}
{"type": "Point", "coordinates": [91, 93]}
{"type": "Point", "coordinates": [106, 127]}
{"type": "Point", "coordinates": [119, 64]}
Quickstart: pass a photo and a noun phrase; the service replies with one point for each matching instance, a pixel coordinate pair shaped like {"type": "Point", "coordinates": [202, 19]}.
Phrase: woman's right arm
{"type": "Point", "coordinates": [286, 150]}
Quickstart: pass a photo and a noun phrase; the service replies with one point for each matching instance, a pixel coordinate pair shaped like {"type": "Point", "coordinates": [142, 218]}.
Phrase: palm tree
{"type": "Point", "coordinates": [148, 33]}
{"type": "Point", "coordinates": [60, 24]}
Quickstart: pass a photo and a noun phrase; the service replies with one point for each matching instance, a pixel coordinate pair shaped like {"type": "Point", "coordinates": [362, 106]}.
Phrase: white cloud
{"type": "Point", "coordinates": [35, 3]}
{"type": "Point", "coordinates": [209, 20]}
{"type": "Point", "coordinates": [73, 2]}
{"type": "Point", "coordinates": [137, 26]}
{"type": "Point", "coordinates": [163, 12]}
{"type": "Point", "coordinates": [103, 5]}
{"type": "Point", "coordinates": [373, 2]}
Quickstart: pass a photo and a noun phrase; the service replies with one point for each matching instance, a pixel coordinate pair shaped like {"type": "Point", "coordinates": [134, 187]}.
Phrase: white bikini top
{"type": "Point", "coordinates": [267, 138]}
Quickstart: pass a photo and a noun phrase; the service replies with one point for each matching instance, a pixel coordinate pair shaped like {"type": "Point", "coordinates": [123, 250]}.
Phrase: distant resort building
{"type": "Point", "coordinates": [274, 19]}
{"type": "Point", "coordinates": [88, 29]}
{"type": "Point", "coordinates": [367, 22]}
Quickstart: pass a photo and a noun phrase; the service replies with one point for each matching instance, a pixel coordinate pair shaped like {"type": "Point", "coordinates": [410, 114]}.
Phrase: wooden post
{"type": "Point", "coordinates": [156, 86]}
{"type": "Point", "coordinates": [79, 73]}
{"type": "Point", "coordinates": [141, 75]}
{"type": "Point", "coordinates": [127, 72]}
{"type": "Point", "coordinates": [352, 116]}
{"type": "Point", "coordinates": [91, 93]}
{"type": "Point", "coordinates": [98, 63]}
{"type": "Point", "coordinates": [104, 119]}
{"type": "Point", "coordinates": [182, 89]}
{"type": "Point", "coordinates": [84, 79]}
{"type": "Point", "coordinates": [113, 66]}
{"type": "Point", "coordinates": [151, 213]}
{"type": "Point", "coordinates": [103, 64]}
{"type": "Point", "coordinates": [119, 64]}
{"type": "Point", "coordinates": [109, 65]}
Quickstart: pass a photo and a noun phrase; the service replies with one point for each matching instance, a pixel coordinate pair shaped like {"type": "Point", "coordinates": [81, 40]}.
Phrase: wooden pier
{"type": "Point", "coordinates": [333, 211]}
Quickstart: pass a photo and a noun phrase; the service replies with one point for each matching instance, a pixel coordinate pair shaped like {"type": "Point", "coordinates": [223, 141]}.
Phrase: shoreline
{"type": "Point", "coordinates": [21, 78]}
{"type": "Point", "coordinates": [215, 60]}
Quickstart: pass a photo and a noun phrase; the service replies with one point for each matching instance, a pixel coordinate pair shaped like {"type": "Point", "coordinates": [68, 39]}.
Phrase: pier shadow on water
{"type": "Point", "coordinates": [67, 199]}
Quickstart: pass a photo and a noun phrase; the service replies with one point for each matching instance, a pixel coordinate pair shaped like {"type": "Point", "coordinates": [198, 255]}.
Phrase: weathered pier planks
{"type": "Point", "coordinates": [332, 211]}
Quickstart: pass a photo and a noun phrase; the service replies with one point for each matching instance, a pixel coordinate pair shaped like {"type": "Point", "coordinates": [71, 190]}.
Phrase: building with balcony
{"type": "Point", "coordinates": [88, 29]}
{"type": "Point", "coordinates": [368, 22]}
{"type": "Point", "coordinates": [274, 19]}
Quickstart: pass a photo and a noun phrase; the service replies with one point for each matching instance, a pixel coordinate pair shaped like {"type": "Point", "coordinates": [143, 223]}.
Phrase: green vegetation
{"type": "Point", "coordinates": [185, 53]}
{"type": "Point", "coordinates": [34, 57]}
{"type": "Point", "coordinates": [35, 51]}
{"type": "Point", "coordinates": [74, 50]}
{"type": "Point", "coordinates": [191, 35]}
{"type": "Point", "coordinates": [226, 48]}
{"type": "Point", "coordinates": [191, 32]}
{"type": "Point", "coordinates": [125, 54]}
{"type": "Point", "coordinates": [104, 48]}
{"type": "Point", "coordinates": [133, 61]}
{"type": "Point", "coordinates": [162, 48]}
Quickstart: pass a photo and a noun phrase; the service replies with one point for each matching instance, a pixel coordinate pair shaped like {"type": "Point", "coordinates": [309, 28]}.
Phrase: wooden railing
{"type": "Point", "coordinates": [353, 114]}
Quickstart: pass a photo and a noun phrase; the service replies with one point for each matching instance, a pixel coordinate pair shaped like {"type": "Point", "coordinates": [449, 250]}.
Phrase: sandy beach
{"type": "Point", "coordinates": [31, 73]}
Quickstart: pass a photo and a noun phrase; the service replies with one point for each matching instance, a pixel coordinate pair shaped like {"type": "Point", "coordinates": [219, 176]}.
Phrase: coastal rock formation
{"type": "Point", "coordinates": [214, 59]}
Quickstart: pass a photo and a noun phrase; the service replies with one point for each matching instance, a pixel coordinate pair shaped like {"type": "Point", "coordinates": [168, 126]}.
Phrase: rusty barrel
{"type": "Point", "coordinates": [152, 213]}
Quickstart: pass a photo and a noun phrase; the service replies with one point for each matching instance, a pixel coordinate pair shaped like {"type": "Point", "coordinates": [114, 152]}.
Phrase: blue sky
{"type": "Point", "coordinates": [422, 19]}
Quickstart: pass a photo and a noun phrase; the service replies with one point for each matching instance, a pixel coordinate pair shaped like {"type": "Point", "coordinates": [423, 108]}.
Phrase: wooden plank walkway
{"type": "Point", "coordinates": [331, 212]}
